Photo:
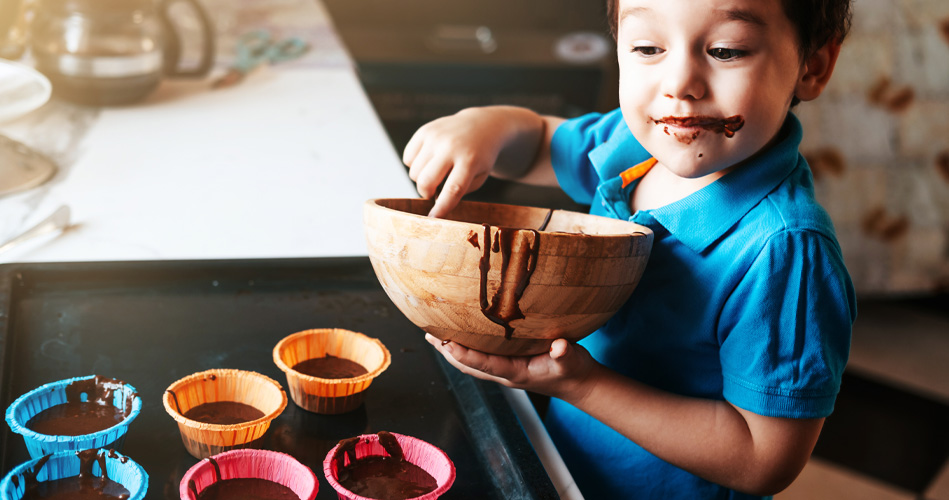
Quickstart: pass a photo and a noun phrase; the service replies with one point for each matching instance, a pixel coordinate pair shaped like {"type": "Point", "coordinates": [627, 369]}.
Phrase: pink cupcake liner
{"type": "Point", "coordinates": [425, 455]}
{"type": "Point", "coordinates": [260, 464]}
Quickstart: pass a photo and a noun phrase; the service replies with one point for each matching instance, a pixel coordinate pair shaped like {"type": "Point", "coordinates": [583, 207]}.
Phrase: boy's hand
{"type": "Point", "coordinates": [562, 372]}
{"type": "Point", "coordinates": [460, 149]}
{"type": "Point", "coordinates": [464, 148]}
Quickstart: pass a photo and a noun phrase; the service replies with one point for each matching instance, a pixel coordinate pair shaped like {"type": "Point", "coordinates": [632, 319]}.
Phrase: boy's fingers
{"type": "Point", "coordinates": [558, 349]}
{"type": "Point", "coordinates": [417, 166]}
{"type": "Point", "coordinates": [451, 350]}
{"type": "Point", "coordinates": [456, 186]}
{"type": "Point", "coordinates": [431, 174]}
{"type": "Point", "coordinates": [412, 148]}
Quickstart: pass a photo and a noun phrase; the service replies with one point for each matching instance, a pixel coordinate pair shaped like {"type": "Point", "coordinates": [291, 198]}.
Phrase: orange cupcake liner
{"type": "Point", "coordinates": [202, 439]}
{"type": "Point", "coordinates": [322, 395]}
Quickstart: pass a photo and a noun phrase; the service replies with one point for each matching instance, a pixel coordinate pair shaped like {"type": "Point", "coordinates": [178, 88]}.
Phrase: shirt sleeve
{"type": "Point", "coordinates": [785, 330]}
{"type": "Point", "coordinates": [569, 152]}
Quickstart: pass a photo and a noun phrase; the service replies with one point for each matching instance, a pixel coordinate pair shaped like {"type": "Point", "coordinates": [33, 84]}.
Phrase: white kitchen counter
{"type": "Point", "coordinates": [277, 166]}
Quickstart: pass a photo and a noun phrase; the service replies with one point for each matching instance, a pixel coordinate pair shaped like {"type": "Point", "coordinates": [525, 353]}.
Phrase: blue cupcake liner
{"type": "Point", "coordinates": [66, 464]}
{"type": "Point", "coordinates": [38, 445]}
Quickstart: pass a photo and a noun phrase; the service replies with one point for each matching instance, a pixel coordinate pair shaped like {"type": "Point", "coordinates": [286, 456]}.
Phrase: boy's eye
{"type": "Point", "coordinates": [646, 50]}
{"type": "Point", "coordinates": [723, 54]}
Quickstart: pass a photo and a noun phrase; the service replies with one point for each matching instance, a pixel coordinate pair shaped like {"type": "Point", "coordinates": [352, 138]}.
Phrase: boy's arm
{"type": "Point", "coordinates": [711, 439]}
{"type": "Point", "coordinates": [465, 148]}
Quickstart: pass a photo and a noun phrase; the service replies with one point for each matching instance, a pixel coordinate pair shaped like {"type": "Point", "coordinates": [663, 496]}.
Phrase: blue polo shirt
{"type": "Point", "coordinates": [745, 298]}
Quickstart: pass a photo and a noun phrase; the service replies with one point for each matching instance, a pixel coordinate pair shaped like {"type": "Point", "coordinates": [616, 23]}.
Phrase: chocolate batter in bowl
{"type": "Point", "coordinates": [329, 369]}
{"type": "Point", "coordinates": [98, 474]}
{"type": "Point", "coordinates": [79, 413]}
{"type": "Point", "coordinates": [223, 409]}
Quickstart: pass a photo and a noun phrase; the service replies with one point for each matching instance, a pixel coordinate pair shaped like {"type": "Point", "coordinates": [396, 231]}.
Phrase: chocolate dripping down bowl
{"type": "Point", "coordinates": [503, 279]}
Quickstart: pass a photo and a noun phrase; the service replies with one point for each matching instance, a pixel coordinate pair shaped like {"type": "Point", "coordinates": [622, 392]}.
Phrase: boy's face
{"type": "Point", "coordinates": [705, 85]}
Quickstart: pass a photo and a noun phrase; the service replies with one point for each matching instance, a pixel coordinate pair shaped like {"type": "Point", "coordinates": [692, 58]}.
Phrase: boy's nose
{"type": "Point", "coordinates": [685, 78]}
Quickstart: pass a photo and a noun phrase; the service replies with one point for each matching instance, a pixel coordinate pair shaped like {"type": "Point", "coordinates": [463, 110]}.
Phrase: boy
{"type": "Point", "coordinates": [713, 380]}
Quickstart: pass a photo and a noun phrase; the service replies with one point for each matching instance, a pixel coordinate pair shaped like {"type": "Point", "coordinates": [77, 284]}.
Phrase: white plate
{"type": "Point", "coordinates": [22, 89]}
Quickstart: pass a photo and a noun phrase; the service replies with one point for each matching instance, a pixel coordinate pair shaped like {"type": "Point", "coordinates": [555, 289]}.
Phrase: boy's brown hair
{"type": "Point", "coordinates": [816, 21]}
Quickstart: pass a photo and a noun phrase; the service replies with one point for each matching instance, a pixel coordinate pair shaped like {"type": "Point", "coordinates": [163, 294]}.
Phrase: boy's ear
{"type": "Point", "coordinates": [816, 71]}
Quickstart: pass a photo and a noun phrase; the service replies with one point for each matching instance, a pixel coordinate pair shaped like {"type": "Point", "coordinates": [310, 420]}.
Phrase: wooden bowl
{"type": "Point", "coordinates": [504, 279]}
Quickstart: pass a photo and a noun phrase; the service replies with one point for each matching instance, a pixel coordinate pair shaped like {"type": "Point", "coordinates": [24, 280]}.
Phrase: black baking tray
{"type": "Point", "coordinates": [151, 323]}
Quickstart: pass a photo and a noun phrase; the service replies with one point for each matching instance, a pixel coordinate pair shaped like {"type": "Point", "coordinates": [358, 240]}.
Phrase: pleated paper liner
{"type": "Point", "coordinates": [425, 455]}
{"type": "Point", "coordinates": [65, 464]}
{"type": "Point", "coordinates": [32, 403]}
{"type": "Point", "coordinates": [202, 439]}
{"type": "Point", "coordinates": [323, 395]}
{"type": "Point", "coordinates": [261, 464]}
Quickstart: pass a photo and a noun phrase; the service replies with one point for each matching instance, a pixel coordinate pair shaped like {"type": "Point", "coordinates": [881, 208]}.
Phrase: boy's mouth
{"type": "Point", "coordinates": [727, 126]}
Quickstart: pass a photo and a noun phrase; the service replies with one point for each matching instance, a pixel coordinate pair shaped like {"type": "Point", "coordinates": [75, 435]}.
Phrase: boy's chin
{"type": "Point", "coordinates": [692, 163]}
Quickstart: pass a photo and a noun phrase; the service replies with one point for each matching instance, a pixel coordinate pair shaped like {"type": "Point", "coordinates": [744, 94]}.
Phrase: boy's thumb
{"type": "Point", "coordinates": [559, 348]}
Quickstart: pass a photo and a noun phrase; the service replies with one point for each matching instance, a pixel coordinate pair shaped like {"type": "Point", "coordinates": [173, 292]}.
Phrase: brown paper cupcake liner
{"type": "Point", "coordinates": [322, 395]}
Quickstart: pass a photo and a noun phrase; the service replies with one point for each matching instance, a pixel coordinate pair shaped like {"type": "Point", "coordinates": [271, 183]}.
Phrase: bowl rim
{"type": "Point", "coordinates": [20, 428]}
{"type": "Point", "coordinates": [639, 231]}
{"type": "Point", "coordinates": [195, 424]}
{"type": "Point", "coordinates": [284, 367]}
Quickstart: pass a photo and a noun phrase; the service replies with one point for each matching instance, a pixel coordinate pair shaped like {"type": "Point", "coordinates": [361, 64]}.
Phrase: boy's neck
{"type": "Point", "coordinates": [660, 186]}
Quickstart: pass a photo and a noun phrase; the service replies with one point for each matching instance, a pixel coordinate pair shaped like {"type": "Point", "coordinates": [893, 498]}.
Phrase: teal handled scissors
{"type": "Point", "coordinates": [257, 47]}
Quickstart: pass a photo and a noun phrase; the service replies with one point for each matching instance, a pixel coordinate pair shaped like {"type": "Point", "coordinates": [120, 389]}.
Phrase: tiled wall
{"type": "Point", "coordinates": [878, 141]}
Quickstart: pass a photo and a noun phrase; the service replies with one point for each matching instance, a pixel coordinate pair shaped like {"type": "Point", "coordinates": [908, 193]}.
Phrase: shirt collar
{"type": "Point", "coordinates": [620, 151]}
{"type": "Point", "coordinates": [701, 218]}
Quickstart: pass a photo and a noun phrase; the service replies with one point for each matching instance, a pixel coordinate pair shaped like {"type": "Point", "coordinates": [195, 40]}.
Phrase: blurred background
{"type": "Point", "coordinates": [877, 141]}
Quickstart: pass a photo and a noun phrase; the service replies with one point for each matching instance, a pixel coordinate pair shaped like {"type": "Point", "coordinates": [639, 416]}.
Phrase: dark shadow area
{"type": "Point", "coordinates": [419, 60]}
{"type": "Point", "coordinates": [887, 433]}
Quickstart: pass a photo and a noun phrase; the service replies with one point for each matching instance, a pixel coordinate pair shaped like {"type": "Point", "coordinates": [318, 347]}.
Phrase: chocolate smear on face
{"type": "Point", "coordinates": [384, 477]}
{"type": "Point", "coordinates": [727, 126]}
{"type": "Point", "coordinates": [76, 417]}
{"type": "Point", "coordinates": [519, 249]}
{"type": "Point", "coordinates": [84, 486]}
